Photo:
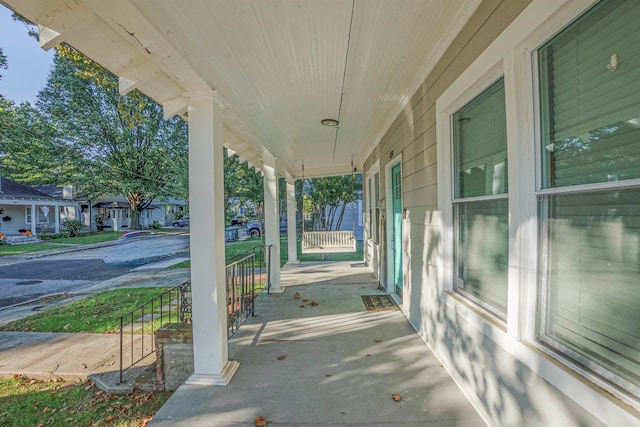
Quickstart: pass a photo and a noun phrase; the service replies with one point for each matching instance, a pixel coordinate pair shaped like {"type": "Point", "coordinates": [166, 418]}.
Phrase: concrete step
{"type": "Point", "coordinates": [21, 240]}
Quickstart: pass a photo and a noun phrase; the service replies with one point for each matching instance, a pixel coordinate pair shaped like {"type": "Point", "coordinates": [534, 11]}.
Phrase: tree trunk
{"type": "Point", "coordinates": [341, 216]}
{"type": "Point", "coordinates": [135, 220]}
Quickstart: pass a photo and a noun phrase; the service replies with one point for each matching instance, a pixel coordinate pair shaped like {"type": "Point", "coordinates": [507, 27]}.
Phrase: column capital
{"type": "Point", "coordinates": [217, 97]}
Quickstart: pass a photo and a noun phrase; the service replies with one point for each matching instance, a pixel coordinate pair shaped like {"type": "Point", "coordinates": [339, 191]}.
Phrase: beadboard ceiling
{"type": "Point", "coordinates": [279, 66]}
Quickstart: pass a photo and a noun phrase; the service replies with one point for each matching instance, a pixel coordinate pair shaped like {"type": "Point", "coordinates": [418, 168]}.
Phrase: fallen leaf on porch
{"type": "Point", "coordinates": [302, 306]}
{"type": "Point", "coordinates": [260, 421]}
{"type": "Point", "coordinates": [396, 397]}
{"type": "Point", "coordinates": [296, 295]}
{"type": "Point", "coordinates": [378, 340]}
{"type": "Point", "coordinates": [282, 357]}
{"type": "Point", "coordinates": [314, 304]}
{"type": "Point", "coordinates": [305, 299]}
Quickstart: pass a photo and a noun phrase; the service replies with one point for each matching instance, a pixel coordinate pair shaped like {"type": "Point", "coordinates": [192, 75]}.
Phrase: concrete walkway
{"type": "Point", "coordinates": [45, 355]}
{"type": "Point", "coordinates": [331, 364]}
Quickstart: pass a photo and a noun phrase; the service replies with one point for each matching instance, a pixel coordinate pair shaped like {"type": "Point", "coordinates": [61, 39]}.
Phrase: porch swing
{"type": "Point", "coordinates": [325, 242]}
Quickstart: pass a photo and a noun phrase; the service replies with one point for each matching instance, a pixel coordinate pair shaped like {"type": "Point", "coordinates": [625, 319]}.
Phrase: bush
{"type": "Point", "coordinates": [155, 226]}
{"type": "Point", "coordinates": [71, 227]}
{"type": "Point", "coordinates": [179, 214]}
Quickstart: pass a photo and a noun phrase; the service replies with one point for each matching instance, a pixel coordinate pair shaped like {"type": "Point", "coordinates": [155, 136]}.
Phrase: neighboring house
{"type": "Point", "coordinates": [115, 212]}
{"type": "Point", "coordinates": [170, 206]}
{"type": "Point", "coordinates": [498, 142]}
{"type": "Point", "coordinates": [24, 207]}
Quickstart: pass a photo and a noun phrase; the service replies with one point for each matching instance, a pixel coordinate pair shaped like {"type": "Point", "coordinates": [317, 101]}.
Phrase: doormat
{"type": "Point", "coordinates": [379, 303]}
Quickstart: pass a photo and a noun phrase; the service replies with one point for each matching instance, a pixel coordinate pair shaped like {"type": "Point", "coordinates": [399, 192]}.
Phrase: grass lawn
{"type": "Point", "coordinates": [6, 250]}
{"type": "Point", "coordinates": [236, 249]}
{"type": "Point", "coordinates": [89, 238]}
{"type": "Point", "coordinates": [27, 402]}
{"type": "Point", "coordinates": [23, 249]}
{"type": "Point", "coordinates": [98, 313]}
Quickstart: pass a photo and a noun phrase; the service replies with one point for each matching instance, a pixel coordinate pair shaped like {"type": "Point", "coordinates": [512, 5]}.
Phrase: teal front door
{"type": "Point", "coordinates": [396, 244]}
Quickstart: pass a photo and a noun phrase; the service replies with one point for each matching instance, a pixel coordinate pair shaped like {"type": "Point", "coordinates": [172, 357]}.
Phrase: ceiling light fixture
{"type": "Point", "coordinates": [329, 122]}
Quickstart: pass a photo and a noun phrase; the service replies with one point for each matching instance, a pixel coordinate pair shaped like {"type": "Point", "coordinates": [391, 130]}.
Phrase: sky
{"type": "Point", "coordinates": [29, 65]}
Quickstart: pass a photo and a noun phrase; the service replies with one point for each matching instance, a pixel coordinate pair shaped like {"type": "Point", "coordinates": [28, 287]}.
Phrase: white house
{"type": "Point", "coordinates": [498, 142]}
{"type": "Point", "coordinates": [24, 208]}
{"type": "Point", "coordinates": [115, 212]}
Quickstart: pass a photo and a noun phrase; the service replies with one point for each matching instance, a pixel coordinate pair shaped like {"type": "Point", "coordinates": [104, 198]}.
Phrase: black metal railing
{"type": "Point", "coordinates": [174, 306]}
{"type": "Point", "coordinates": [241, 291]}
{"type": "Point", "coordinates": [141, 323]}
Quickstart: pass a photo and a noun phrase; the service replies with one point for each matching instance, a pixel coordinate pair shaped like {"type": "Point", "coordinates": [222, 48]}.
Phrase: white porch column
{"type": "Point", "coordinates": [208, 288]}
{"type": "Point", "coordinates": [292, 242]}
{"type": "Point", "coordinates": [272, 221]}
{"type": "Point", "coordinates": [56, 215]}
{"type": "Point", "coordinates": [34, 220]}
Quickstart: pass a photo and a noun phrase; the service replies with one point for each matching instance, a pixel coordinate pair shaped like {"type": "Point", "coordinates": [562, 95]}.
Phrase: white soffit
{"type": "Point", "coordinates": [280, 66]}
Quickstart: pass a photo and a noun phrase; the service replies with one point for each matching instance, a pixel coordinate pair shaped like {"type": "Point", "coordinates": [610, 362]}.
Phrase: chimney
{"type": "Point", "coordinates": [67, 191]}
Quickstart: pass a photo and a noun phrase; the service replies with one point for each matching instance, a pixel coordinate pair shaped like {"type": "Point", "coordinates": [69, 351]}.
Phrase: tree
{"type": "Point", "coordinates": [3, 61]}
{"type": "Point", "coordinates": [126, 146]}
{"type": "Point", "coordinates": [28, 147]}
{"type": "Point", "coordinates": [327, 197]}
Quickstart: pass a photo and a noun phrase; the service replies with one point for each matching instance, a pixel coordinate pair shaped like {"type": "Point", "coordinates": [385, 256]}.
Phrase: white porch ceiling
{"type": "Point", "coordinates": [279, 66]}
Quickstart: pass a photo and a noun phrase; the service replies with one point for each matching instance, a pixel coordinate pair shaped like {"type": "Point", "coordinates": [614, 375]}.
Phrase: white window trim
{"type": "Point", "coordinates": [446, 106]}
{"type": "Point", "coordinates": [388, 207]}
{"type": "Point", "coordinates": [511, 54]}
{"type": "Point", "coordinates": [372, 204]}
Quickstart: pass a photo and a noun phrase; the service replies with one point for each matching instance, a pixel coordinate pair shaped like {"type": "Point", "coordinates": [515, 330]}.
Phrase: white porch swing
{"type": "Point", "coordinates": [324, 242]}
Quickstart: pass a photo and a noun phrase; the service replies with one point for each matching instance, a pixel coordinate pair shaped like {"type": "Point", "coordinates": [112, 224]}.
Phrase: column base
{"type": "Point", "coordinates": [215, 379]}
{"type": "Point", "coordinates": [279, 290]}
{"type": "Point", "coordinates": [295, 262]}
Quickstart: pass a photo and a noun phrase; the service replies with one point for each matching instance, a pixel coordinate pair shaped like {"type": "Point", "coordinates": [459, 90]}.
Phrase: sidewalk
{"type": "Point", "coordinates": [70, 355]}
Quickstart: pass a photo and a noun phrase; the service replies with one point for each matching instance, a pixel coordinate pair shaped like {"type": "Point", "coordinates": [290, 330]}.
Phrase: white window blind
{"type": "Point", "coordinates": [480, 133]}
{"type": "Point", "coordinates": [589, 78]}
{"type": "Point", "coordinates": [589, 94]}
{"type": "Point", "coordinates": [480, 170]}
{"type": "Point", "coordinates": [593, 278]}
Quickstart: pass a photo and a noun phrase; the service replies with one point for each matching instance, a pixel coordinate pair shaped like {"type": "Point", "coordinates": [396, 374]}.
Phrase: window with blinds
{"type": "Point", "coordinates": [589, 91]}
{"type": "Point", "coordinates": [481, 200]}
{"type": "Point", "coordinates": [589, 79]}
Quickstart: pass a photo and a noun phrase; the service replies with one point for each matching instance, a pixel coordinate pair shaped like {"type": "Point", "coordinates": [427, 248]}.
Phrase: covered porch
{"type": "Point", "coordinates": [306, 88]}
{"type": "Point", "coordinates": [331, 364]}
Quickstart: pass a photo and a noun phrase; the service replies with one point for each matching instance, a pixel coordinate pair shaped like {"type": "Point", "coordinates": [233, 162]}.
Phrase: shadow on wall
{"type": "Point", "coordinates": [510, 393]}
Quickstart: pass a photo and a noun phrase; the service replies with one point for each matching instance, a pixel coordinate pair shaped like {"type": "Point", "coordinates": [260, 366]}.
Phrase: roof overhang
{"type": "Point", "coordinates": [280, 67]}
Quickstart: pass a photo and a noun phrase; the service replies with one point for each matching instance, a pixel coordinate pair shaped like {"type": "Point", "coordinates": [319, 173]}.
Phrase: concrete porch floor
{"type": "Point", "coordinates": [341, 367]}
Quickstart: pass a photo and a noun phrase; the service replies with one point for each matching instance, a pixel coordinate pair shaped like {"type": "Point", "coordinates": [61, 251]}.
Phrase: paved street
{"type": "Point", "coordinates": [72, 272]}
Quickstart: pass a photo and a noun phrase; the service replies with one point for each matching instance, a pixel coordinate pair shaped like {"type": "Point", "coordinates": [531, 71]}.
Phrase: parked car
{"type": "Point", "coordinates": [181, 222]}
{"type": "Point", "coordinates": [253, 229]}
{"type": "Point", "coordinates": [239, 220]}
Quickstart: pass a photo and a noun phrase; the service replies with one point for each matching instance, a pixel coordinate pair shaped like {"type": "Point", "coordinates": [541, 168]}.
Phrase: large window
{"type": "Point", "coordinates": [42, 218]}
{"type": "Point", "coordinates": [589, 78]}
{"type": "Point", "coordinates": [480, 199]}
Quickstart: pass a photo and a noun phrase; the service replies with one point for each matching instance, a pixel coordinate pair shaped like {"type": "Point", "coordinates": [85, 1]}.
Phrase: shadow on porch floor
{"type": "Point", "coordinates": [341, 367]}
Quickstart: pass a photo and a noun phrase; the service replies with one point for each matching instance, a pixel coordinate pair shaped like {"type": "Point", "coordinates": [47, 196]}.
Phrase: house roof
{"type": "Point", "coordinates": [12, 190]}
{"type": "Point", "coordinates": [58, 191]}
{"type": "Point", "coordinates": [112, 205]}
